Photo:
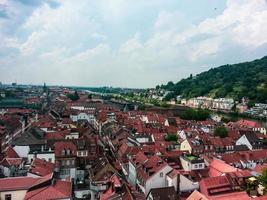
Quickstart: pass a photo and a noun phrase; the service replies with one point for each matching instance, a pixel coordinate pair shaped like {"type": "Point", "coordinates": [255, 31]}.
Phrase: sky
{"type": "Point", "coordinates": [126, 43]}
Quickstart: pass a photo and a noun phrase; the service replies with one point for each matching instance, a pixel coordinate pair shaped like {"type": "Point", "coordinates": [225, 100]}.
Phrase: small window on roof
{"type": "Point", "coordinates": [68, 151]}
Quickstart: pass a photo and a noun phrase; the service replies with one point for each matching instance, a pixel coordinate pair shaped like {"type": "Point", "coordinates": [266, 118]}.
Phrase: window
{"type": "Point", "coordinates": [8, 197]}
{"type": "Point", "coordinates": [68, 162]}
{"type": "Point", "coordinates": [68, 151]}
{"type": "Point", "coordinates": [161, 174]}
{"type": "Point", "coordinates": [63, 152]}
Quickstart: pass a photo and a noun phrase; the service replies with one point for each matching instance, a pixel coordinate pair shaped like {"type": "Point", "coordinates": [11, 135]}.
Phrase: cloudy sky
{"type": "Point", "coordinates": [127, 43]}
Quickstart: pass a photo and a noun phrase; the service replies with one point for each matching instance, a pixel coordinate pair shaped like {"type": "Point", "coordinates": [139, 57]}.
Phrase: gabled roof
{"type": "Point", "coordinates": [31, 137]}
{"type": "Point", "coordinates": [252, 137]}
{"type": "Point", "coordinates": [196, 195]}
{"type": "Point", "coordinates": [8, 162]}
{"type": "Point", "coordinates": [248, 123]}
{"type": "Point", "coordinates": [11, 153]}
{"type": "Point", "coordinates": [152, 166]}
{"type": "Point", "coordinates": [17, 183]}
{"type": "Point", "coordinates": [59, 190]}
{"type": "Point", "coordinates": [218, 167]}
{"type": "Point", "coordinates": [41, 167]}
{"type": "Point", "coordinates": [64, 145]}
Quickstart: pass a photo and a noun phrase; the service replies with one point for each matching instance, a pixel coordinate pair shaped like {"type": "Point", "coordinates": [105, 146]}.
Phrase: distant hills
{"type": "Point", "coordinates": [248, 79]}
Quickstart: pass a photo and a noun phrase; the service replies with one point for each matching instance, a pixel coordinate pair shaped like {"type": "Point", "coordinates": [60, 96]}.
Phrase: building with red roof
{"type": "Point", "coordinates": [218, 167]}
{"type": "Point", "coordinates": [65, 155]}
{"type": "Point", "coordinates": [31, 188]}
{"type": "Point", "coordinates": [152, 174]}
{"type": "Point", "coordinates": [40, 167]}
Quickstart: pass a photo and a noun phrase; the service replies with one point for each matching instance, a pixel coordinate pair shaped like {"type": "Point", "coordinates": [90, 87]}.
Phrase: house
{"type": "Point", "coordinates": [16, 187]}
{"type": "Point", "coordinates": [32, 144]}
{"type": "Point", "coordinates": [255, 126]}
{"type": "Point", "coordinates": [218, 167]}
{"type": "Point", "coordinates": [184, 182]}
{"type": "Point", "coordinates": [99, 177]}
{"type": "Point", "coordinates": [53, 189]}
{"type": "Point", "coordinates": [134, 163]}
{"type": "Point", "coordinates": [246, 159]}
{"type": "Point", "coordinates": [40, 168]}
{"type": "Point", "coordinates": [250, 139]}
{"type": "Point", "coordinates": [165, 193]}
{"type": "Point", "coordinates": [152, 174]}
{"type": "Point", "coordinates": [11, 163]}
{"type": "Point", "coordinates": [30, 188]}
{"type": "Point", "coordinates": [114, 191]}
{"type": "Point", "coordinates": [65, 156]}
{"type": "Point", "coordinates": [191, 162]}
{"type": "Point", "coordinates": [227, 186]}
{"type": "Point", "coordinates": [193, 146]}
{"type": "Point", "coordinates": [10, 166]}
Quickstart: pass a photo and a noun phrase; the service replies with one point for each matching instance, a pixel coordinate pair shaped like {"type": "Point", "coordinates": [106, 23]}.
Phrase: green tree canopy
{"type": "Point", "coordinates": [171, 137]}
{"type": "Point", "coordinates": [74, 96]}
{"type": "Point", "coordinates": [221, 131]}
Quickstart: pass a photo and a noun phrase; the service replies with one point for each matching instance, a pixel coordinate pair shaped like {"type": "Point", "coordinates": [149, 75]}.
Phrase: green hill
{"type": "Point", "coordinates": [248, 79]}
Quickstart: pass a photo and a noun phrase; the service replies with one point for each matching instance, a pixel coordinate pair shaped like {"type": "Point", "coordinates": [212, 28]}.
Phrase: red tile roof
{"type": "Point", "coordinates": [247, 123]}
{"type": "Point", "coordinates": [151, 167]}
{"type": "Point", "coordinates": [60, 190]}
{"type": "Point", "coordinates": [196, 195]}
{"type": "Point", "coordinates": [11, 153]}
{"type": "Point", "coordinates": [64, 145]}
{"type": "Point", "coordinates": [218, 167]}
{"type": "Point", "coordinates": [41, 167]}
{"type": "Point", "coordinates": [17, 183]}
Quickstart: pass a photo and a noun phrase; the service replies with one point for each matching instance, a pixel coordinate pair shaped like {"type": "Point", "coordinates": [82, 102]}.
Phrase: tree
{"type": "Point", "coordinates": [171, 137]}
{"type": "Point", "coordinates": [221, 131]}
{"type": "Point", "coordinates": [192, 114]}
{"type": "Point", "coordinates": [74, 96]}
{"type": "Point", "coordinates": [263, 179]}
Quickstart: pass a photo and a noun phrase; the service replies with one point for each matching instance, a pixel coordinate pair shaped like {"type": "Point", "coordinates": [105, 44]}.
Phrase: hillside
{"type": "Point", "coordinates": [248, 79]}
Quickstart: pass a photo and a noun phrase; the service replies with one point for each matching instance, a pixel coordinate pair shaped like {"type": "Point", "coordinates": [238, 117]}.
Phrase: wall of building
{"type": "Point", "coordinates": [156, 181]}
{"type": "Point", "coordinates": [22, 151]}
{"type": "Point", "coordinates": [45, 156]}
{"type": "Point", "coordinates": [15, 195]}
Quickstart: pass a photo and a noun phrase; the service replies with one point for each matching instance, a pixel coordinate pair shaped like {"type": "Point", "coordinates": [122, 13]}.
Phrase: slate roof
{"type": "Point", "coordinates": [31, 137]}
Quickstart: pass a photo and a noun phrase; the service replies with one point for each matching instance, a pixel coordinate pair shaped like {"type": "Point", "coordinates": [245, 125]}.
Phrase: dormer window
{"type": "Point", "coordinates": [68, 151]}
{"type": "Point", "coordinates": [63, 152]}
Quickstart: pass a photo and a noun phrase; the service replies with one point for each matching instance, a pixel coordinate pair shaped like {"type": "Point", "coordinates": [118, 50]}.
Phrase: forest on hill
{"type": "Point", "coordinates": [248, 79]}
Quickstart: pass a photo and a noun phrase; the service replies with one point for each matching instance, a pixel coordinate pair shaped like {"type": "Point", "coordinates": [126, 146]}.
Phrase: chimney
{"type": "Point", "coordinates": [53, 181]}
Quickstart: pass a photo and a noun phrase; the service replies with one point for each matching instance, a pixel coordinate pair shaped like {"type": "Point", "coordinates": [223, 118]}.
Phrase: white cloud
{"type": "Point", "coordinates": [73, 42]}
